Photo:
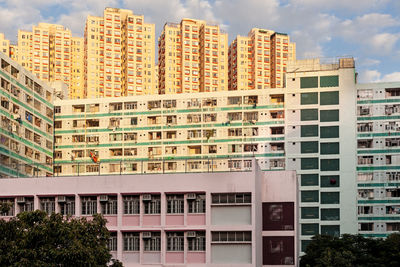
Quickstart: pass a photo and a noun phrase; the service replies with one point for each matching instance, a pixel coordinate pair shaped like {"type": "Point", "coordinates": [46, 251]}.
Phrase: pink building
{"type": "Point", "coordinates": [245, 218]}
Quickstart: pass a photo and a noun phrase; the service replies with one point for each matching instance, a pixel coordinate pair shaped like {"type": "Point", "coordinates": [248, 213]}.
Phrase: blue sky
{"type": "Point", "coordinates": [368, 30]}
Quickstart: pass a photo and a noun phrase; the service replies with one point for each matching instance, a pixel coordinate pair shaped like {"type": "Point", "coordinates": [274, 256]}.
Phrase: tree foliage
{"type": "Point", "coordinates": [352, 250]}
{"type": "Point", "coordinates": [36, 239]}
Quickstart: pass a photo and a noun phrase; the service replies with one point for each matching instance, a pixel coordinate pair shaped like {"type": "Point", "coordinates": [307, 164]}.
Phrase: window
{"type": "Point", "coordinates": [329, 115]}
{"type": "Point", "coordinates": [28, 116]}
{"type": "Point", "coordinates": [89, 205]}
{"type": "Point", "coordinates": [231, 237]}
{"type": "Point", "coordinates": [309, 163]}
{"type": "Point", "coordinates": [309, 179]}
{"type": "Point", "coordinates": [309, 82]}
{"type": "Point", "coordinates": [48, 204]}
{"type": "Point", "coordinates": [310, 229]}
{"type": "Point", "coordinates": [330, 180]}
{"type": "Point", "coordinates": [309, 114]}
{"type": "Point", "coordinates": [332, 230]}
{"type": "Point", "coordinates": [329, 164]}
{"type": "Point", "coordinates": [152, 205]}
{"type": "Point", "coordinates": [108, 205]}
{"type": "Point", "coordinates": [131, 241]}
{"type": "Point", "coordinates": [231, 198]}
{"type": "Point", "coordinates": [112, 242]}
{"type": "Point", "coordinates": [278, 250]}
{"type": "Point", "coordinates": [309, 130]}
{"type": "Point", "coordinates": [329, 98]}
{"type": "Point", "coordinates": [175, 204]}
{"type": "Point", "coordinates": [309, 98]}
{"type": "Point", "coordinates": [330, 198]}
{"type": "Point", "coordinates": [67, 207]}
{"type": "Point", "coordinates": [309, 196]}
{"type": "Point", "coordinates": [329, 81]}
{"type": "Point", "coordinates": [152, 241]}
{"type": "Point", "coordinates": [330, 214]}
{"type": "Point", "coordinates": [278, 216]}
{"type": "Point", "coordinates": [329, 131]}
{"type": "Point", "coordinates": [131, 204]}
{"type": "Point", "coordinates": [57, 109]}
{"type": "Point", "coordinates": [27, 205]}
{"type": "Point", "coordinates": [175, 241]}
{"type": "Point", "coordinates": [329, 148]}
{"type": "Point", "coordinates": [196, 204]}
{"type": "Point", "coordinates": [10, 203]}
{"type": "Point", "coordinates": [309, 147]}
{"type": "Point", "coordinates": [309, 212]}
{"type": "Point", "coordinates": [197, 242]}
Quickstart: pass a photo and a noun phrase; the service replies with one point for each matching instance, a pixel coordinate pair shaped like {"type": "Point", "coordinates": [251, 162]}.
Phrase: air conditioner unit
{"type": "Point", "coordinates": [191, 234]}
{"type": "Point", "coordinates": [61, 199]}
{"type": "Point", "coordinates": [21, 200]}
{"type": "Point", "coordinates": [146, 197]}
{"type": "Point", "coordinates": [103, 198]}
{"type": "Point", "coordinates": [370, 195]}
{"type": "Point", "coordinates": [191, 196]}
{"type": "Point", "coordinates": [146, 234]}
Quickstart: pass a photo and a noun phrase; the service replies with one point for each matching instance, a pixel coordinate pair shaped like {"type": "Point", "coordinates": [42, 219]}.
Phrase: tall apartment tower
{"type": "Point", "coordinates": [119, 55]}
{"type": "Point", "coordinates": [259, 60]}
{"type": "Point", "coordinates": [320, 133]}
{"type": "Point", "coordinates": [192, 57]}
{"type": "Point", "coordinates": [76, 90]}
{"type": "Point", "coordinates": [4, 45]}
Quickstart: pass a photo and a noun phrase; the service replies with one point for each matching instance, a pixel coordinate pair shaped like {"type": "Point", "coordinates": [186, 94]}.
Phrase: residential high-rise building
{"type": "Point", "coordinates": [378, 155]}
{"type": "Point", "coordinates": [4, 45]}
{"type": "Point", "coordinates": [119, 55]}
{"type": "Point", "coordinates": [77, 83]}
{"type": "Point", "coordinates": [320, 130]}
{"type": "Point", "coordinates": [192, 57]}
{"type": "Point", "coordinates": [26, 135]}
{"type": "Point", "coordinates": [259, 60]}
{"type": "Point", "coordinates": [24, 56]}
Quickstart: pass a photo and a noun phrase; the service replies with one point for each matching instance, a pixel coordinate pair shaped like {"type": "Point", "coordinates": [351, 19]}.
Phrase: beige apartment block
{"type": "Point", "coordinates": [24, 56]}
{"type": "Point", "coordinates": [170, 133]}
{"type": "Point", "coordinates": [259, 60]}
{"type": "Point", "coordinates": [193, 57]}
{"type": "Point", "coordinates": [76, 87]}
{"type": "Point", "coordinates": [119, 55]}
{"type": "Point", "coordinates": [4, 45]}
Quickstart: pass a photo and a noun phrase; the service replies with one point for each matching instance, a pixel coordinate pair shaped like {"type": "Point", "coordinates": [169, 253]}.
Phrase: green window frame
{"type": "Point", "coordinates": [330, 165]}
{"type": "Point", "coordinates": [309, 196]}
{"type": "Point", "coordinates": [309, 229]}
{"type": "Point", "coordinates": [329, 81]}
{"type": "Point", "coordinates": [329, 98]}
{"type": "Point", "coordinates": [309, 130]}
{"type": "Point", "coordinates": [329, 148]}
{"type": "Point", "coordinates": [329, 115]}
{"type": "Point", "coordinates": [308, 98]}
{"type": "Point", "coordinates": [309, 82]}
{"type": "Point", "coordinates": [309, 179]}
{"type": "Point", "coordinates": [332, 230]}
{"type": "Point", "coordinates": [330, 180]}
{"type": "Point", "coordinates": [330, 214]}
{"type": "Point", "coordinates": [309, 163]}
{"type": "Point", "coordinates": [329, 131]}
{"type": "Point", "coordinates": [309, 147]}
{"type": "Point", "coordinates": [309, 212]}
{"type": "Point", "coordinates": [330, 198]}
{"type": "Point", "coordinates": [310, 114]}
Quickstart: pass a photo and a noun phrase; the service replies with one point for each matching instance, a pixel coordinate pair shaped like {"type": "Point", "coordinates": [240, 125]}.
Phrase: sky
{"type": "Point", "coordinates": [368, 30]}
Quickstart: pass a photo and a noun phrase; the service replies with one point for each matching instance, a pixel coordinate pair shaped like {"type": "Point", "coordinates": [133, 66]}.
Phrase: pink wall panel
{"type": "Point", "coordinates": [196, 257]}
{"type": "Point", "coordinates": [174, 219]}
{"type": "Point", "coordinates": [174, 257]}
{"type": "Point", "coordinates": [196, 219]}
{"type": "Point", "coordinates": [150, 220]}
{"type": "Point", "coordinates": [130, 220]}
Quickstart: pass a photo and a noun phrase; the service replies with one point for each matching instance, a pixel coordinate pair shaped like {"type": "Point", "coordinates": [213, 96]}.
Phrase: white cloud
{"type": "Point", "coordinates": [367, 62]}
{"type": "Point", "coordinates": [391, 77]}
{"type": "Point", "coordinates": [383, 43]}
{"type": "Point", "coordinates": [369, 76]}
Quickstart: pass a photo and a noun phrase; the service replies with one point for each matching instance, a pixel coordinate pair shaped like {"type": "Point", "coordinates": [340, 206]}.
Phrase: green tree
{"type": "Point", "coordinates": [352, 250]}
{"type": "Point", "coordinates": [36, 239]}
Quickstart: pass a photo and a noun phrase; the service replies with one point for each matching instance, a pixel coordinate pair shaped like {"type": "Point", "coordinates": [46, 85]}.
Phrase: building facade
{"type": "Point", "coordinates": [169, 133]}
{"type": "Point", "coordinates": [192, 57]}
{"type": "Point", "coordinates": [26, 137]}
{"type": "Point", "coordinates": [319, 145]}
{"type": "Point", "coordinates": [4, 45]}
{"type": "Point", "coordinates": [259, 60]}
{"type": "Point", "coordinates": [119, 55]}
{"type": "Point", "coordinates": [244, 218]}
{"type": "Point", "coordinates": [378, 158]}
